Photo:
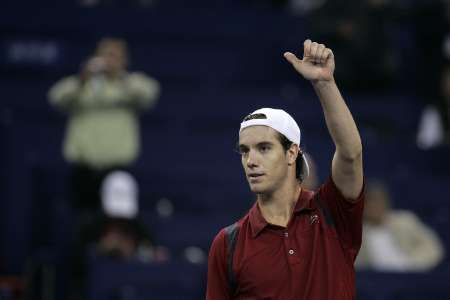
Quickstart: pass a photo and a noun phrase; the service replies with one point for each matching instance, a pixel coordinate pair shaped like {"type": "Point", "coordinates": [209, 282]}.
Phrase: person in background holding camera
{"type": "Point", "coordinates": [102, 103]}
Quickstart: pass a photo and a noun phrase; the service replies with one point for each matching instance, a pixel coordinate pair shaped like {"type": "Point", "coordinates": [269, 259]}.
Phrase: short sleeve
{"type": "Point", "coordinates": [347, 216]}
{"type": "Point", "coordinates": [217, 285]}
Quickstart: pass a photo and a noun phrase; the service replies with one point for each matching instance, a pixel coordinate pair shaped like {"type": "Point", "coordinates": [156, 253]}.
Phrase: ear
{"type": "Point", "coordinates": [292, 154]}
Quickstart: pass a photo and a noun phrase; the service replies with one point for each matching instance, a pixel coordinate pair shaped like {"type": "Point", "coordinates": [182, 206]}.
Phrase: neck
{"type": "Point", "coordinates": [278, 206]}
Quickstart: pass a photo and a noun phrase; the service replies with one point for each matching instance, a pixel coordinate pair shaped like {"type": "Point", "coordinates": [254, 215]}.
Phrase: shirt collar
{"type": "Point", "coordinates": [305, 201]}
{"type": "Point", "coordinates": [257, 221]}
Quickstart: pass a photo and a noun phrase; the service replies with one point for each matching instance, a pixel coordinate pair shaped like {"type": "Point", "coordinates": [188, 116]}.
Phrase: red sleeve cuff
{"type": "Point", "coordinates": [348, 202]}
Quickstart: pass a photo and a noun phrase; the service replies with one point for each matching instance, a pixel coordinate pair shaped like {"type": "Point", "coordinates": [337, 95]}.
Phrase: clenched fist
{"type": "Point", "coordinates": [317, 63]}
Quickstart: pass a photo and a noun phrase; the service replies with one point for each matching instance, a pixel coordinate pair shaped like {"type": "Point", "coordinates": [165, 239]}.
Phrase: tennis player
{"type": "Point", "coordinates": [294, 243]}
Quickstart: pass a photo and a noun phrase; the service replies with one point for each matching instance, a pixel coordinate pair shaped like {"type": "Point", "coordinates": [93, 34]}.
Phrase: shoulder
{"type": "Point", "coordinates": [64, 86]}
{"type": "Point", "coordinates": [403, 217]}
{"type": "Point", "coordinates": [229, 233]}
{"type": "Point", "coordinates": [136, 74]}
{"type": "Point", "coordinates": [221, 242]}
{"type": "Point", "coordinates": [139, 76]}
{"type": "Point", "coordinates": [69, 80]}
{"type": "Point", "coordinates": [330, 190]}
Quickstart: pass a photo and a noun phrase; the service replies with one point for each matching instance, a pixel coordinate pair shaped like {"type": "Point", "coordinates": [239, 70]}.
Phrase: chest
{"type": "Point", "coordinates": [281, 262]}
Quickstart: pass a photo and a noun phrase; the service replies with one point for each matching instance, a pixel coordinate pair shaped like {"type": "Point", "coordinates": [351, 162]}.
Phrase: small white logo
{"type": "Point", "coordinates": [313, 219]}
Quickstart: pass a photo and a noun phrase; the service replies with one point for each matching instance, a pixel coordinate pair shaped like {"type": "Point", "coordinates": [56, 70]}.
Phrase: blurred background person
{"type": "Point", "coordinates": [395, 240]}
{"type": "Point", "coordinates": [434, 125]}
{"type": "Point", "coordinates": [120, 233]}
{"type": "Point", "coordinates": [117, 233]}
{"type": "Point", "coordinates": [432, 29]}
{"type": "Point", "coordinates": [102, 103]}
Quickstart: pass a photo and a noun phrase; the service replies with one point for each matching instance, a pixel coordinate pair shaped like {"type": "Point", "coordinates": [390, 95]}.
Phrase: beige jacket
{"type": "Point", "coordinates": [103, 126]}
{"type": "Point", "coordinates": [420, 243]}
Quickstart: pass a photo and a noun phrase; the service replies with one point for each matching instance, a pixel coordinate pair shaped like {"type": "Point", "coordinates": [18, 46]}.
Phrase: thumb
{"type": "Point", "coordinates": [290, 57]}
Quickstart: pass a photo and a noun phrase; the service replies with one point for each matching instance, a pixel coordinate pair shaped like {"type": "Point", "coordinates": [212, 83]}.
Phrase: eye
{"type": "Point", "coordinates": [264, 148]}
{"type": "Point", "coordinates": [242, 150]}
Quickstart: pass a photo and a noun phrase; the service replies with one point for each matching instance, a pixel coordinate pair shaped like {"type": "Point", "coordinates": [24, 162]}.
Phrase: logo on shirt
{"type": "Point", "coordinates": [313, 219]}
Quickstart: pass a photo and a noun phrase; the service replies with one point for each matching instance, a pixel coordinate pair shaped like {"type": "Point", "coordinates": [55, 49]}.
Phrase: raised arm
{"type": "Point", "coordinates": [318, 66]}
{"type": "Point", "coordinates": [65, 92]}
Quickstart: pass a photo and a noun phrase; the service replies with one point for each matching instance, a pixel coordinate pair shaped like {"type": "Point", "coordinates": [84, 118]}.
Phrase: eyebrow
{"type": "Point", "coordinates": [240, 146]}
{"type": "Point", "coordinates": [263, 143]}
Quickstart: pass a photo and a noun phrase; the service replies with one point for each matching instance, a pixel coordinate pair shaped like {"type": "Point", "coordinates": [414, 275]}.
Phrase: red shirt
{"type": "Point", "coordinates": [312, 258]}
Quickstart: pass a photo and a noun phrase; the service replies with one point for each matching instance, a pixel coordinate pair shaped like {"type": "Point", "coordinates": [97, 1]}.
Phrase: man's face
{"type": "Point", "coordinates": [264, 160]}
{"type": "Point", "coordinates": [114, 56]}
{"type": "Point", "coordinates": [376, 206]}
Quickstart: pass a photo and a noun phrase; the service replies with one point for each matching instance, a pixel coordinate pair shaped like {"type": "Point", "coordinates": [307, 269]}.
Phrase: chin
{"type": "Point", "coordinates": [258, 188]}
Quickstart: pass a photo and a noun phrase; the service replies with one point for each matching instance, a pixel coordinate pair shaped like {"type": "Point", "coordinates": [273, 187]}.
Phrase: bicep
{"type": "Point", "coordinates": [347, 174]}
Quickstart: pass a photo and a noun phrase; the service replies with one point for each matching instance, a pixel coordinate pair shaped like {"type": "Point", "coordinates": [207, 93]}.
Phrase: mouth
{"type": "Point", "coordinates": [255, 176]}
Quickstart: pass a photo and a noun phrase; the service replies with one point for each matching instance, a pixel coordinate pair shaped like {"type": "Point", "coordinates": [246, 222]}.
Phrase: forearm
{"type": "Point", "coordinates": [318, 66]}
{"type": "Point", "coordinates": [339, 120]}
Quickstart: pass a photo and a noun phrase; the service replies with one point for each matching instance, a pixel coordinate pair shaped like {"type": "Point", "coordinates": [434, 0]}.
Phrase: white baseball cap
{"type": "Point", "coordinates": [119, 195]}
{"type": "Point", "coordinates": [280, 121]}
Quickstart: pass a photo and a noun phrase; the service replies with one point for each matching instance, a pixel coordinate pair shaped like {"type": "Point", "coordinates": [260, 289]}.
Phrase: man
{"type": "Point", "coordinates": [102, 102]}
{"type": "Point", "coordinates": [395, 240]}
{"type": "Point", "coordinates": [294, 243]}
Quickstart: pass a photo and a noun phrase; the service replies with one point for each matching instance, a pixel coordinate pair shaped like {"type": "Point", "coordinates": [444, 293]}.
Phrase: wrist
{"type": "Point", "coordinates": [323, 83]}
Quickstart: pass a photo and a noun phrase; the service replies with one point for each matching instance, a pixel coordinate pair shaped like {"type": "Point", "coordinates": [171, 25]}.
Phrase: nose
{"type": "Point", "coordinates": [252, 159]}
